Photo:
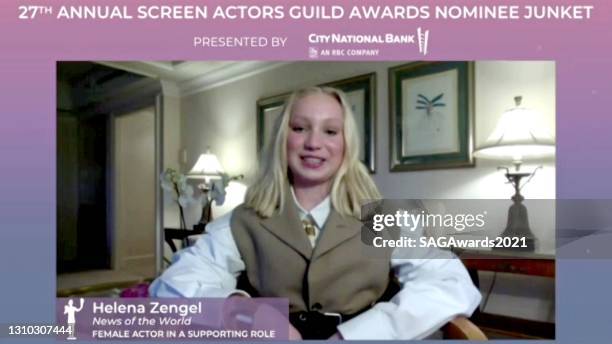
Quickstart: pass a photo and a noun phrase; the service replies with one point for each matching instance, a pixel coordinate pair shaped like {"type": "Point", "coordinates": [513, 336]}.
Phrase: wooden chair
{"type": "Point", "coordinates": [462, 328]}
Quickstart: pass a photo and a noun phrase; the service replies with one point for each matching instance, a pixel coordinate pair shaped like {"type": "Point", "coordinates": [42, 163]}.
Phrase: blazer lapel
{"type": "Point", "coordinates": [337, 230]}
{"type": "Point", "coordinates": [288, 228]}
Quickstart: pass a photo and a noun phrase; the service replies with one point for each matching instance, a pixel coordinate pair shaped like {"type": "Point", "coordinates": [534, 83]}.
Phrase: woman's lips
{"type": "Point", "coordinates": [312, 161]}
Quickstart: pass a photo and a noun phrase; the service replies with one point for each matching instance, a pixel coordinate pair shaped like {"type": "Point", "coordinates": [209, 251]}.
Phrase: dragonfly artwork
{"type": "Point", "coordinates": [424, 103]}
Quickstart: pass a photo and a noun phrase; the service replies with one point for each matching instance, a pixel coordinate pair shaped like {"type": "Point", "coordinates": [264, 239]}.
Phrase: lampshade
{"type": "Point", "coordinates": [207, 166]}
{"type": "Point", "coordinates": [517, 136]}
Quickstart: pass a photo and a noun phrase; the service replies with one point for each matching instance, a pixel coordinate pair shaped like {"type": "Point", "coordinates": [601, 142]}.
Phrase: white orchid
{"type": "Point", "coordinates": [166, 180]}
{"type": "Point", "coordinates": [176, 182]}
{"type": "Point", "coordinates": [186, 197]}
{"type": "Point", "coordinates": [182, 192]}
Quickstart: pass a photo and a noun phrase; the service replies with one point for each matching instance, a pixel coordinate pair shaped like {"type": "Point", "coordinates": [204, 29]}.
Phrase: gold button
{"type": "Point", "coordinates": [308, 227]}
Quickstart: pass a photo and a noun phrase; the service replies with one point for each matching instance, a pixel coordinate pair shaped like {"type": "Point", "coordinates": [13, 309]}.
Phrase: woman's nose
{"type": "Point", "coordinates": [313, 140]}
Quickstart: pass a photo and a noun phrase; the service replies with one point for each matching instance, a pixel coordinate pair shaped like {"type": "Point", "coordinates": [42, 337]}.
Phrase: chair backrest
{"type": "Point", "coordinates": [462, 328]}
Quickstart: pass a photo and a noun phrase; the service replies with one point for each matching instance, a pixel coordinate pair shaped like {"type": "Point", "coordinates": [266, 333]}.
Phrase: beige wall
{"type": "Point", "coordinates": [171, 153]}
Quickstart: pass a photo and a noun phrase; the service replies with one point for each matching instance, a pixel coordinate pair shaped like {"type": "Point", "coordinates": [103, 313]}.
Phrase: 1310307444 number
{"type": "Point", "coordinates": [38, 330]}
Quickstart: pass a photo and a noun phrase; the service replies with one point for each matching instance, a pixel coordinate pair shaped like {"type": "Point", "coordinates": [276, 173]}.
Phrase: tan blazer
{"type": "Point", "coordinates": [334, 276]}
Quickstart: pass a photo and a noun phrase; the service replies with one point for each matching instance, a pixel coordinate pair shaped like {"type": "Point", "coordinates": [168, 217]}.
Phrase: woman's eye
{"type": "Point", "coordinates": [297, 128]}
{"type": "Point", "coordinates": [331, 132]}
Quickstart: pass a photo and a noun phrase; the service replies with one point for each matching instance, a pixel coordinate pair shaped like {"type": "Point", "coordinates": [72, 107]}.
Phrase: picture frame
{"type": "Point", "coordinates": [361, 94]}
{"type": "Point", "coordinates": [431, 115]}
{"type": "Point", "coordinates": [268, 109]}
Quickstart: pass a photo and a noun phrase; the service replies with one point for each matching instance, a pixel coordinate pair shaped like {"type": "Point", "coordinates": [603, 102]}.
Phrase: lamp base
{"type": "Point", "coordinates": [518, 227]}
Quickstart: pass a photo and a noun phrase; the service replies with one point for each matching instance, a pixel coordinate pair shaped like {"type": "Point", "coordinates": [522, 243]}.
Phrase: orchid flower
{"type": "Point", "coordinates": [175, 182]}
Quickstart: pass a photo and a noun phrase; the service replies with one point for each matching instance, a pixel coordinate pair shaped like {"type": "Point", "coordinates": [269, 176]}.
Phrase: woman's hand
{"type": "Point", "coordinates": [238, 312]}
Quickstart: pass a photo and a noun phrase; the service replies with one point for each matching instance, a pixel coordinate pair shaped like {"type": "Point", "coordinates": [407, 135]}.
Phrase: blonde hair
{"type": "Point", "coordinates": [352, 182]}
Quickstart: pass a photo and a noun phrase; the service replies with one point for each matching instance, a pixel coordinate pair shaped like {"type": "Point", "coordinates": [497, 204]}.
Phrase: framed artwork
{"type": "Point", "coordinates": [431, 115]}
{"type": "Point", "coordinates": [360, 92]}
{"type": "Point", "coordinates": [268, 109]}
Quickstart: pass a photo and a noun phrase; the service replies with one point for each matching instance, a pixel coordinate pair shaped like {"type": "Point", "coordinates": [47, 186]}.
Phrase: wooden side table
{"type": "Point", "coordinates": [524, 263]}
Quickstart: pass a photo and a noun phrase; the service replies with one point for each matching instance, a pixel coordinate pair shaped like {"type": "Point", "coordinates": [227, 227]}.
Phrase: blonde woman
{"type": "Point", "coordinates": [297, 237]}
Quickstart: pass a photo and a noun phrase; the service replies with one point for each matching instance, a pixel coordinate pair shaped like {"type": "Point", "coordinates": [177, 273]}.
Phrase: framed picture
{"type": "Point", "coordinates": [431, 115]}
{"type": "Point", "coordinates": [360, 92]}
{"type": "Point", "coordinates": [268, 109]}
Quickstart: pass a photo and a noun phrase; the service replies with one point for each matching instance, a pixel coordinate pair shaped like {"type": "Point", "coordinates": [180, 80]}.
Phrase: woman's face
{"type": "Point", "coordinates": [315, 143]}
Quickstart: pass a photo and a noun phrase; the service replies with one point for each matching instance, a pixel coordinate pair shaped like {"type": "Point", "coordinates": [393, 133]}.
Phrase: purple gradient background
{"type": "Point", "coordinates": [29, 49]}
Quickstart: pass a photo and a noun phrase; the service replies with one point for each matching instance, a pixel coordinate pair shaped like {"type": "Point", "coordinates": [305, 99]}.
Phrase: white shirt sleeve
{"type": "Point", "coordinates": [434, 290]}
{"type": "Point", "coordinates": [209, 268]}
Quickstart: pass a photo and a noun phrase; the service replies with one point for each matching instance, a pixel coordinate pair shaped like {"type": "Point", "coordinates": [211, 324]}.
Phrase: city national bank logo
{"type": "Point", "coordinates": [423, 39]}
{"type": "Point", "coordinates": [71, 310]}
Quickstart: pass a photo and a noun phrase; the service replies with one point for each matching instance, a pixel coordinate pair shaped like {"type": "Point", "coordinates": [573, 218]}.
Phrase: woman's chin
{"type": "Point", "coordinates": [311, 179]}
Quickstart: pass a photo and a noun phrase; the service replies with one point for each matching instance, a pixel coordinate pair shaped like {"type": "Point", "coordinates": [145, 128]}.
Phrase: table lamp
{"type": "Point", "coordinates": [517, 137]}
{"type": "Point", "coordinates": [206, 168]}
